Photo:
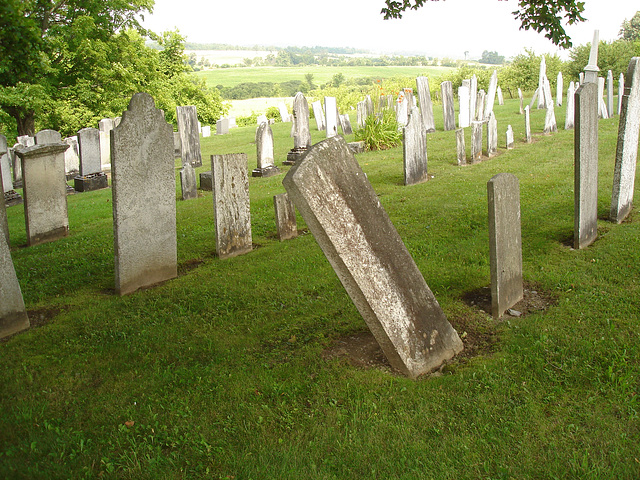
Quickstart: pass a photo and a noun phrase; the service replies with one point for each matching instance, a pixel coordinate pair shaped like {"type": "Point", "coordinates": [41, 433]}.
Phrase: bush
{"type": "Point", "coordinates": [380, 132]}
{"type": "Point", "coordinates": [248, 120]}
{"type": "Point", "coordinates": [274, 112]}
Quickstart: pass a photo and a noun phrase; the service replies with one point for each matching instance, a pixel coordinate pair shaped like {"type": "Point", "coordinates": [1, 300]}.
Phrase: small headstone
{"type": "Point", "coordinates": [414, 149]}
{"type": "Point", "coordinates": [301, 132]}
{"type": "Point", "coordinates": [188, 128]}
{"type": "Point", "coordinates": [206, 131]}
{"type": "Point", "coordinates": [285, 217]}
{"type": "Point", "coordinates": [345, 123]}
{"type": "Point", "coordinates": [570, 112]}
{"type": "Point", "coordinates": [231, 204]}
{"type": "Point", "coordinates": [331, 117]}
{"type": "Point", "coordinates": [222, 126]}
{"type": "Point", "coordinates": [90, 176]}
{"type": "Point", "coordinates": [610, 111]}
{"type": "Point", "coordinates": [13, 315]}
{"type": "Point", "coordinates": [284, 113]}
{"type": "Point", "coordinates": [188, 182]}
{"type": "Point", "coordinates": [105, 126]}
{"type": "Point", "coordinates": [500, 97]}
{"type": "Point", "coordinates": [345, 216]}
{"type": "Point", "coordinates": [464, 117]}
{"type": "Point", "coordinates": [9, 196]}
{"type": "Point", "coordinates": [448, 113]}
{"type": "Point", "coordinates": [44, 137]}
{"type": "Point", "coordinates": [491, 95]}
{"type": "Point", "coordinates": [521, 111]}
{"type": "Point", "coordinates": [505, 242]}
{"type": "Point", "coordinates": [177, 145]}
{"type": "Point", "coordinates": [476, 141]}
{"type": "Point", "coordinates": [72, 157]}
{"type": "Point", "coordinates": [206, 182]}
{"type": "Point", "coordinates": [144, 197]}
{"type": "Point", "coordinates": [264, 146]}
{"type": "Point", "coordinates": [426, 107]}
{"type": "Point", "coordinates": [559, 89]}
{"type": "Point", "coordinates": [356, 147]}
{"type": "Point", "coordinates": [509, 138]}
{"type": "Point", "coordinates": [318, 114]}
{"type": "Point", "coordinates": [527, 124]}
{"type": "Point", "coordinates": [492, 135]}
{"type": "Point", "coordinates": [461, 151]}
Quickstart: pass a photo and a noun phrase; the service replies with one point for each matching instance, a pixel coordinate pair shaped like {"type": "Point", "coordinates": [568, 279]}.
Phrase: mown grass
{"type": "Point", "coordinates": [220, 373]}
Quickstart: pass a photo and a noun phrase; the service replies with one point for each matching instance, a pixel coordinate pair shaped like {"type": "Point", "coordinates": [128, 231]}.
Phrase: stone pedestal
{"type": "Point", "coordinates": [268, 171]}
{"type": "Point", "coordinates": [91, 182]}
{"type": "Point", "coordinates": [294, 156]}
{"type": "Point", "coordinates": [206, 182]}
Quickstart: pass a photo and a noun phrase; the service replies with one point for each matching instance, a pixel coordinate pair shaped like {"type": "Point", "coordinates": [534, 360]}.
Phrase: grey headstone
{"type": "Point", "coordinates": [345, 216]}
{"type": "Point", "coordinates": [302, 135]}
{"type": "Point", "coordinates": [542, 100]}
{"type": "Point", "coordinates": [414, 149]}
{"type": "Point", "coordinates": [231, 204]}
{"type": "Point", "coordinates": [222, 126]}
{"type": "Point", "coordinates": [492, 135]}
{"type": "Point", "coordinates": [177, 145]}
{"type": "Point", "coordinates": [480, 105]}
{"type": "Point", "coordinates": [284, 113]}
{"type": "Point", "coordinates": [570, 112]}
{"type": "Point", "coordinates": [285, 217]}
{"type": "Point", "coordinates": [586, 166]}
{"type": "Point", "coordinates": [426, 107]}
{"type": "Point", "coordinates": [13, 316]}
{"type": "Point", "coordinates": [505, 242]}
{"type": "Point", "coordinates": [448, 113]}
{"type": "Point", "coordinates": [500, 97]}
{"type": "Point", "coordinates": [188, 182]}
{"type": "Point", "coordinates": [43, 137]}
{"type": "Point", "coordinates": [476, 141]}
{"type": "Point", "coordinates": [206, 182]}
{"type": "Point", "coordinates": [610, 110]}
{"type": "Point", "coordinates": [72, 156]}
{"type": "Point", "coordinates": [491, 95]}
{"type": "Point", "coordinates": [627, 148]}
{"type": "Point", "coordinates": [89, 149]}
{"type": "Point", "coordinates": [509, 138]}
{"type": "Point", "coordinates": [187, 119]}
{"type": "Point", "coordinates": [262, 119]}
{"type": "Point", "coordinates": [527, 124]}
{"type": "Point", "coordinates": [331, 117]}
{"type": "Point", "coordinates": [144, 197]}
{"type": "Point", "coordinates": [461, 152]}
{"type": "Point", "coordinates": [521, 98]}
{"type": "Point", "coordinates": [4, 223]}
{"type": "Point", "coordinates": [5, 166]}
{"type": "Point", "coordinates": [536, 94]}
{"type": "Point", "coordinates": [318, 115]}
{"type": "Point", "coordinates": [264, 146]}
{"type": "Point", "coordinates": [473, 98]}
{"type": "Point", "coordinates": [620, 92]}
{"type": "Point", "coordinates": [26, 140]}
{"type": "Point", "coordinates": [559, 89]}
{"type": "Point", "coordinates": [345, 123]}
{"type": "Point", "coordinates": [464, 117]}
{"type": "Point", "coordinates": [361, 113]}
{"type": "Point", "coordinates": [105, 126]}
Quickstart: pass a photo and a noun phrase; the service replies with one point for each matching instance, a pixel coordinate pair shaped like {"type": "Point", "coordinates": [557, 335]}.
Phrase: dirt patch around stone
{"type": "Point", "coordinates": [38, 318]}
{"type": "Point", "coordinates": [534, 300]}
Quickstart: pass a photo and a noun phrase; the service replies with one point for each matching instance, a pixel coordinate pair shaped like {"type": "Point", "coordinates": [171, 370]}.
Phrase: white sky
{"type": "Point", "coordinates": [439, 29]}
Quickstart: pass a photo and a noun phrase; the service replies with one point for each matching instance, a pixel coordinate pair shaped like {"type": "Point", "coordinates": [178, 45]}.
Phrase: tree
{"type": "Point", "coordinates": [630, 29]}
{"type": "Point", "coordinates": [491, 58]}
{"type": "Point", "coordinates": [614, 56]}
{"type": "Point", "coordinates": [539, 15]}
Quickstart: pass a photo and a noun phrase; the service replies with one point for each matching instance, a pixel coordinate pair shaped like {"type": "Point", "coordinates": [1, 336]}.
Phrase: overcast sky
{"type": "Point", "coordinates": [440, 28]}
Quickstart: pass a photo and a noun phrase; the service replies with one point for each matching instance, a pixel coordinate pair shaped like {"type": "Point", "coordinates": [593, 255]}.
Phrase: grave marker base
{"type": "Point", "coordinates": [294, 156]}
{"type": "Point", "coordinates": [89, 183]}
{"type": "Point", "coordinates": [263, 172]}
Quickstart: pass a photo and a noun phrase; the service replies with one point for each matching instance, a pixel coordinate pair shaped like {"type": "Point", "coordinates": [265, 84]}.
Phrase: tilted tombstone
{"type": "Point", "coordinates": [414, 149]}
{"type": "Point", "coordinates": [231, 204]}
{"type": "Point", "coordinates": [144, 197]}
{"type": "Point", "coordinates": [620, 92]}
{"type": "Point", "coordinates": [90, 176]}
{"type": "Point", "coordinates": [331, 119]}
{"type": "Point", "coordinates": [345, 216]}
{"type": "Point", "coordinates": [284, 112]}
{"type": "Point", "coordinates": [464, 118]}
{"type": "Point", "coordinates": [610, 111]}
{"type": "Point", "coordinates": [187, 119]}
{"type": "Point", "coordinates": [509, 138]}
{"type": "Point", "coordinates": [586, 166]}
{"type": "Point", "coordinates": [473, 98]}
{"type": "Point", "coordinates": [222, 126]}
{"type": "Point", "coordinates": [264, 147]}
{"type": "Point", "coordinates": [105, 126]}
{"type": "Point", "coordinates": [345, 123]}
{"type": "Point", "coordinates": [505, 242]}
{"type": "Point", "coordinates": [448, 112]}
{"type": "Point", "coordinates": [188, 182]}
{"type": "Point", "coordinates": [570, 112]}
{"type": "Point", "coordinates": [461, 152]}
{"type": "Point", "coordinates": [536, 94]}
{"type": "Point", "coordinates": [45, 192]}
{"type": "Point", "coordinates": [527, 124]}
{"type": "Point", "coordinates": [500, 97]}
{"type": "Point", "coordinates": [13, 315]}
{"type": "Point", "coordinates": [302, 134]}
{"type": "Point", "coordinates": [72, 157]}
{"type": "Point", "coordinates": [521, 98]}
{"type": "Point", "coordinates": [627, 148]}
{"type": "Point", "coordinates": [492, 135]}
{"type": "Point", "coordinates": [476, 141]}
{"type": "Point", "coordinates": [318, 115]}
{"type": "Point", "coordinates": [426, 107]}
{"type": "Point", "coordinates": [286, 225]}
{"type": "Point", "coordinates": [559, 89]}
{"type": "Point", "coordinates": [491, 95]}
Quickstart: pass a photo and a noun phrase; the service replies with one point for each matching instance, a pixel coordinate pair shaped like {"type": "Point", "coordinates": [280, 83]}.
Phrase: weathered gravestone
{"type": "Point", "coordinates": [231, 204]}
{"type": "Point", "coordinates": [559, 89]}
{"type": "Point", "coordinates": [542, 75]}
{"type": "Point", "coordinates": [285, 217]}
{"type": "Point", "coordinates": [222, 126]}
{"type": "Point", "coordinates": [505, 242]}
{"type": "Point", "coordinates": [426, 107]}
{"type": "Point", "coordinates": [610, 111]}
{"type": "Point", "coordinates": [13, 316]}
{"type": "Point", "coordinates": [90, 176]}
{"type": "Point", "coordinates": [144, 197]}
{"type": "Point", "coordinates": [44, 137]}
{"type": "Point", "coordinates": [10, 196]}
{"type": "Point", "coordinates": [331, 116]}
{"type": "Point", "coordinates": [206, 181]}
{"type": "Point", "coordinates": [284, 113]}
{"type": "Point", "coordinates": [550, 124]}
{"type": "Point", "coordinates": [627, 148]}
{"type": "Point", "coordinates": [527, 124]}
{"type": "Point", "coordinates": [461, 152]}
{"type": "Point", "coordinates": [509, 138]}
{"type": "Point", "coordinates": [414, 149]}
{"type": "Point", "coordinates": [464, 118]}
{"type": "Point", "coordinates": [491, 95]}
{"type": "Point", "coordinates": [264, 146]}
{"type": "Point", "coordinates": [188, 182]}
{"type": "Point", "coordinates": [345, 123]}
{"type": "Point", "coordinates": [473, 97]}
{"type": "Point", "coordinates": [492, 135]}
{"type": "Point", "coordinates": [476, 141]}
{"type": "Point", "coordinates": [620, 92]}
{"type": "Point", "coordinates": [301, 133]}
{"type": "Point", "coordinates": [570, 112]}
{"type": "Point", "coordinates": [480, 105]}
{"type": "Point", "coordinates": [356, 235]}
{"type": "Point", "coordinates": [105, 126]}
{"type": "Point", "coordinates": [262, 119]}
{"type": "Point", "coordinates": [187, 119]}
{"type": "Point", "coordinates": [602, 106]}
{"type": "Point", "coordinates": [521, 98]}
{"type": "Point", "coordinates": [206, 131]}
{"type": "Point", "coordinates": [500, 97]}
{"type": "Point", "coordinates": [318, 114]}
{"type": "Point", "coordinates": [45, 192]}
{"type": "Point", "coordinates": [4, 222]}
{"type": "Point", "coordinates": [72, 157]}
{"type": "Point", "coordinates": [177, 145]}
{"type": "Point", "coordinates": [361, 113]}
{"type": "Point", "coordinates": [402, 109]}
{"type": "Point", "coordinates": [448, 113]}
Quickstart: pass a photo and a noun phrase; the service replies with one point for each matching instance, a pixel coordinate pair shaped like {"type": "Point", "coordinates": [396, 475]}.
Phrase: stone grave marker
{"type": "Point", "coordinates": [206, 131]}
{"type": "Point", "coordinates": [361, 113]}
{"type": "Point", "coordinates": [476, 141]}
{"type": "Point", "coordinates": [264, 147]}
{"type": "Point", "coordinates": [536, 94]}
{"type": "Point", "coordinates": [43, 137]}
{"type": "Point", "coordinates": [188, 182]}
{"type": "Point", "coordinates": [509, 138]}
{"type": "Point", "coordinates": [402, 109]}
{"type": "Point", "coordinates": [550, 124]}
{"type": "Point", "coordinates": [177, 145]}
{"type": "Point", "coordinates": [559, 89]}
{"type": "Point", "coordinates": [521, 111]}
{"type": "Point", "coordinates": [461, 152]}
{"type": "Point", "coordinates": [9, 196]}
{"type": "Point", "coordinates": [473, 98]}
{"type": "Point", "coordinates": [4, 222]}
{"type": "Point", "coordinates": [480, 105]}
{"type": "Point", "coordinates": [570, 112]}
{"type": "Point", "coordinates": [286, 225]}
{"type": "Point", "coordinates": [90, 176]}
{"type": "Point", "coordinates": [627, 147]}
{"type": "Point", "coordinates": [369, 104]}
{"type": "Point", "coordinates": [491, 95]}
{"type": "Point", "coordinates": [500, 97]}
{"type": "Point", "coordinates": [301, 131]}
{"type": "Point", "coordinates": [284, 113]}
{"type": "Point", "coordinates": [610, 111]}
{"type": "Point", "coordinates": [345, 123]}
{"type": "Point", "coordinates": [492, 135]}
{"type": "Point", "coordinates": [206, 181]}
{"type": "Point", "coordinates": [222, 126]}
{"type": "Point", "coordinates": [188, 129]}
{"type": "Point", "coordinates": [505, 242]}
{"type": "Point", "coordinates": [231, 204]}
{"type": "Point", "coordinates": [105, 126]}
{"type": "Point", "coordinates": [527, 124]}
{"type": "Point", "coordinates": [426, 107]}
{"type": "Point", "coordinates": [542, 100]}
{"type": "Point", "coordinates": [331, 117]}
{"type": "Point", "coordinates": [448, 113]}
{"type": "Point", "coordinates": [414, 149]}
{"type": "Point", "coordinates": [464, 117]}
{"type": "Point", "coordinates": [232, 122]}
{"type": "Point", "coordinates": [72, 157]}
{"type": "Point", "coordinates": [356, 235]}
{"type": "Point", "coordinates": [13, 315]}
{"type": "Point", "coordinates": [602, 106]}
{"type": "Point", "coordinates": [318, 114]}
{"type": "Point", "coordinates": [620, 92]}
{"type": "Point", "coordinates": [144, 197]}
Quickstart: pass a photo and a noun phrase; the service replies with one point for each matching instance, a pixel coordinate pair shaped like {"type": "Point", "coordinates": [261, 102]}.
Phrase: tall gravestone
{"type": "Point", "coordinates": [527, 124]}
{"type": "Point", "coordinates": [570, 112]}
{"type": "Point", "coordinates": [426, 107]}
{"type": "Point", "coordinates": [473, 98]}
{"type": "Point", "coordinates": [356, 235]}
{"type": "Point", "coordinates": [144, 197]}
{"type": "Point", "coordinates": [542, 74]}
{"type": "Point", "coordinates": [188, 183]}
{"type": "Point", "coordinates": [476, 141]}
{"type": "Point", "coordinates": [285, 217]}
{"type": "Point", "coordinates": [414, 149]}
{"type": "Point", "coordinates": [90, 176]}
{"type": "Point", "coordinates": [521, 98]}
{"type": "Point", "coordinates": [480, 105]}
{"type": "Point", "coordinates": [331, 117]}
{"type": "Point", "coordinates": [464, 117]}
{"type": "Point", "coordinates": [550, 124]}
{"type": "Point", "coordinates": [610, 110]}
{"type": "Point", "coordinates": [231, 204]}
{"type": "Point", "coordinates": [4, 222]}
{"type": "Point", "coordinates": [448, 113]}
{"type": "Point", "coordinates": [361, 112]}
{"type": "Point", "coordinates": [509, 138]}
{"type": "Point", "coordinates": [492, 135]}
{"type": "Point", "coordinates": [187, 118]}
{"type": "Point", "coordinates": [13, 315]}
{"type": "Point", "coordinates": [264, 146]}
{"type": "Point", "coordinates": [559, 89]}
{"type": "Point", "coordinates": [627, 148]}
{"type": "Point", "coordinates": [461, 152]}
{"type": "Point", "coordinates": [500, 97]}
{"type": "Point", "coordinates": [491, 95]}
{"type": "Point", "coordinates": [105, 126]}
{"type": "Point", "coordinates": [620, 92]}
{"type": "Point", "coordinates": [302, 134]}
{"type": "Point", "coordinates": [318, 114]}
{"type": "Point", "coordinates": [602, 106]}
{"type": "Point", "coordinates": [505, 242]}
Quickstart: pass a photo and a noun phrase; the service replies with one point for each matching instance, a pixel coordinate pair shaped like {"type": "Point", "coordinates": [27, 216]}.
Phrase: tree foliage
{"type": "Point", "coordinates": [547, 16]}
{"type": "Point", "coordinates": [614, 56]}
{"type": "Point", "coordinates": [492, 58]}
{"type": "Point", "coordinates": [630, 29]}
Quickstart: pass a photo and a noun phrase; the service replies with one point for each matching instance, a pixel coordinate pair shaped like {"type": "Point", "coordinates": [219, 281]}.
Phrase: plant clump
{"type": "Point", "coordinates": [380, 132]}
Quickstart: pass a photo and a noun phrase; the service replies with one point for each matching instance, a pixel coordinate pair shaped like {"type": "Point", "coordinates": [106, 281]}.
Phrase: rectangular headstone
{"type": "Point", "coordinates": [447, 105]}
{"type": "Point", "coordinates": [264, 147]}
{"type": "Point", "coordinates": [521, 98]}
{"type": "Point", "coordinates": [105, 126]}
{"type": "Point", "coordinates": [231, 204]}
{"type": "Point", "coordinates": [491, 95]}
{"type": "Point", "coordinates": [402, 109]}
{"type": "Point", "coordinates": [222, 126]}
{"type": "Point", "coordinates": [542, 75]}
{"type": "Point", "coordinates": [285, 217]}
{"type": "Point", "coordinates": [188, 182]}
{"type": "Point", "coordinates": [361, 113]}
{"type": "Point", "coordinates": [177, 145]}
{"type": "Point", "coordinates": [187, 119]}
{"type": "Point", "coordinates": [461, 152]}
{"type": "Point", "coordinates": [331, 117]}
{"type": "Point", "coordinates": [206, 131]}
{"type": "Point", "coordinates": [602, 106]}
{"type": "Point", "coordinates": [5, 169]}
{"type": "Point", "coordinates": [570, 112]}
{"type": "Point", "coordinates": [527, 123]}
{"type": "Point", "coordinates": [620, 92]}
{"type": "Point", "coordinates": [414, 149]}
{"type": "Point", "coordinates": [426, 107]}
{"type": "Point", "coordinates": [509, 138]}
{"type": "Point", "coordinates": [13, 315]}
{"type": "Point", "coordinates": [492, 135]}
{"type": "Point", "coordinates": [476, 141]}
{"type": "Point", "coordinates": [144, 197]}
{"type": "Point", "coordinates": [284, 112]}
{"type": "Point", "coordinates": [505, 242]}
{"type": "Point", "coordinates": [559, 89]}
{"type": "Point", "coordinates": [480, 106]}
{"type": "Point", "coordinates": [44, 137]}
{"type": "Point", "coordinates": [464, 117]}
{"type": "Point", "coordinates": [89, 148]}
{"type": "Point", "coordinates": [356, 235]}
{"type": "Point", "coordinates": [500, 97]}
{"type": "Point", "coordinates": [318, 114]}
{"type": "Point", "coordinates": [473, 98]}
{"type": "Point", "coordinates": [610, 110]}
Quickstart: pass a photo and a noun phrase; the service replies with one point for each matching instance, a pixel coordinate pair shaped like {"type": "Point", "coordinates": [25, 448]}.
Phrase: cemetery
{"type": "Point", "coordinates": [462, 305]}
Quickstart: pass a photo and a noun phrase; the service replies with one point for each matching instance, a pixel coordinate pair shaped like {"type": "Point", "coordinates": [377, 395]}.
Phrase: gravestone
{"type": "Point", "coordinates": [231, 204]}
{"type": "Point", "coordinates": [356, 235]}
{"type": "Point", "coordinates": [505, 242]}
{"type": "Point", "coordinates": [90, 176]}
{"type": "Point", "coordinates": [188, 182]}
{"type": "Point", "coordinates": [581, 77]}
{"type": "Point", "coordinates": [476, 141]}
{"type": "Point", "coordinates": [492, 135]}
{"type": "Point", "coordinates": [480, 106]}
{"type": "Point", "coordinates": [302, 134]}
{"type": "Point", "coordinates": [550, 124]}
{"type": "Point", "coordinates": [284, 113]}
{"type": "Point", "coordinates": [13, 315]}
{"type": "Point", "coordinates": [461, 152]}
{"type": "Point", "coordinates": [448, 113]}
{"type": "Point", "coordinates": [627, 147]}
{"type": "Point", "coordinates": [345, 123]}
{"type": "Point", "coordinates": [264, 147]}
{"type": "Point", "coordinates": [559, 89]}
{"type": "Point", "coordinates": [206, 131]}
{"type": "Point", "coordinates": [536, 94]}
{"type": "Point", "coordinates": [491, 95]}
{"type": "Point", "coordinates": [262, 119]}
{"type": "Point", "coordinates": [464, 117]}
{"type": "Point", "coordinates": [361, 113]}
{"type": "Point", "coordinates": [414, 149]}
{"type": "Point", "coordinates": [369, 105]}
{"type": "Point", "coordinates": [542, 75]}
{"type": "Point", "coordinates": [620, 92]}
{"type": "Point", "coordinates": [602, 106]}
{"type": "Point", "coordinates": [206, 182]}
{"type": "Point", "coordinates": [26, 141]}
{"type": "Point", "coordinates": [357, 147]}
{"type": "Point", "coordinates": [570, 112]}
{"type": "Point", "coordinates": [318, 115]}
{"type": "Point", "coordinates": [285, 217]}
{"type": "Point", "coordinates": [188, 129]}
{"type": "Point", "coordinates": [45, 192]}
{"type": "Point", "coordinates": [9, 197]}
{"type": "Point", "coordinates": [232, 122]}
{"type": "Point", "coordinates": [105, 126]}
{"type": "Point", "coordinates": [402, 109]}
{"type": "Point", "coordinates": [586, 166]}
{"type": "Point", "coordinates": [527, 124]}
{"type": "Point", "coordinates": [222, 126]}
{"type": "Point", "coordinates": [177, 145]}
{"type": "Point", "coordinates": [144, 197]}
{"type": "Point", "coordinates": [500, 97]}
{"type": "Point", "coordinates": [44, 137]}
{"type": "Point", "coordinates": [331, 117]}
{"type": "Point", "coordinates": [610, 111]}
{"type": "Point", "coordinates": [473, 98]}
{"type": "Point", "coordinates": [4, 222]}
{"type": "Point", "coordinates": [509, 138]}
{"type": "Point", "coordinates": [426, 107]}
{"type": "Point", "coordinates": [72, 157]}
{"type": "Point", "coordinates": [521, 111]}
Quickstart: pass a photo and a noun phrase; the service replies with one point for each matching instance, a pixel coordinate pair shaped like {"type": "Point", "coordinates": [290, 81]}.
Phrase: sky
{"type": "Point", "coordinates": [438, 29]}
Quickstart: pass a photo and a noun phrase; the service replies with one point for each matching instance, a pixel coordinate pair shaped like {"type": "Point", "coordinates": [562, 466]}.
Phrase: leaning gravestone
{"type": "Point", "coordinates": [13, 316]}
{"type": "Point", "coordinates": [447, 106]}
{"type": "Point", "coordinates": [476, 141]}
{"type": "Point", "coordinates": [505, 242]}
{"type": "Point", "coordinates": [627, 148]}
{"type": "Point", "coordinates": [414, 149]}
{"type": "Point", "coordinates": [144, 197]}
{"type": "Point", "coordinates": [331, 116]}
{"type": "Point", "coordinates": [301, 132]}
{"type": "Point", "coordinates": [284, 113]}
{"type": "Point", "coordinates": [45, 192]}
{"type": "Point", "coordinates": [285, 217]}
{"type": "Point", "coordinates": [492, 135]}
{"type": "Point", "coordinates": [345, 123]}
{"type": "Point", "coordinates": [356, 235]}
{"type": "Point", "coordinates": [602, 106]}
{"type": "Point", "coordinates": [187, 118]}
{"type": "Point", "coordinates": [264, 146]}
{"type": "Point", "coordinates": [90, 176]}
{"type": "Point", "coordinates": [318, 114]}
{"type": "Point", "coordinates": [491, 95]}
{"type": "Point", "coordinates": [426, 107]}
{"type": "Point", "coordinates": [231, 204]}
{"type": "Point", "coordinates": [188, 182]}
{"type": "Point", "coordinates": [461, 153]}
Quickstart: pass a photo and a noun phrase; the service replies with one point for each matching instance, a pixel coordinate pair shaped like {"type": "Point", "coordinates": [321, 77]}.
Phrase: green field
{"type": "Point", "coordinates": [237, 369]}
{"type": "Point", "coordinates": [229, 77]}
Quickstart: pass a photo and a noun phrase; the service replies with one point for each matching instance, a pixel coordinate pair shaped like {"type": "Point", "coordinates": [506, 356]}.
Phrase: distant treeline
{"type": "Point", "coordinates": [293, 50]}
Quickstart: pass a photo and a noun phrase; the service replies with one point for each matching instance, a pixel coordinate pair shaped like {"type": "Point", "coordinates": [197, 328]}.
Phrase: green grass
{"type": "Point", "coordinates": [230, 77]}
{"type": "Point", "coordinates": [221, 369]}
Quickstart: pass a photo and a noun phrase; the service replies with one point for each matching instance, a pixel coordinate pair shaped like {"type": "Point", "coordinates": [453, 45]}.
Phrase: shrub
{"type": "Point", "coordinates": [274, 112]}
{"type": "Point", "coordinates": [380, 132]}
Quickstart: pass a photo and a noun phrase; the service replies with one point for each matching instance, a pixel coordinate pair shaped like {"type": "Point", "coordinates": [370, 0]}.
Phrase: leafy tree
{"type": "Point", "coordinates": [524, 70]}
{"type": "Point", "coordinates": [337, 80]}
{"type": "Point", "coordinates": [630, 29]}
{"type": "Point", "coordinates": [614, 56]}
{"type": "Point", "coordinates": [491, 58]}
{"type": "Point", "coordinates": [540, 15]}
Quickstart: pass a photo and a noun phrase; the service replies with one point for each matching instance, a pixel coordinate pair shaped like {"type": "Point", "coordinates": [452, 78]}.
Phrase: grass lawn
{"type": "Point", "coordinates": [223, 372]}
